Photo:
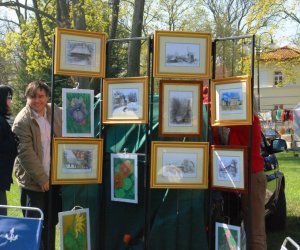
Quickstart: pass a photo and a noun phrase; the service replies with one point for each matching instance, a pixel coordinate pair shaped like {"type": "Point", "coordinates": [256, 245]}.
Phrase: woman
{"type": "Point", "coordinates": [8, 145]}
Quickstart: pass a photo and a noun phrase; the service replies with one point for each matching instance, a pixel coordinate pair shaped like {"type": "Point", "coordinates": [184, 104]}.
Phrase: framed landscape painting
{"type": "Point", "coordinates": [182, 54]}
{"type": "Point", "coordinates": [180, 108]}
{"type": "Point", "coordinates": [229, 168]}
{"type": "Point", "coordinates": [179, 165]}
{"type": "Point", "coordinates": [124, 178]}
{"type": "Point", "coordinates": [231, 101]}
{"type": "Point", "coordinates": [125, 100]}
{"type": "Point", "coordinates": [75, 229]}
{"type": "Point", "coordinates": [79, 53]}
{"type": "Point", "coordinates": [227, 237]}
{"type": "Point", "coordinates": [78, 113]}
{"type": "Point", "coordinates": [76, 161]}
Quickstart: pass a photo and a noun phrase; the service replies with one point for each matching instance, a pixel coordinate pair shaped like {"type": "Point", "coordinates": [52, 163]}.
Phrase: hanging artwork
{"type": "Point", "coordinates": [180, 108]}
{"type": "Point", "coordinates": [79, 53]}
{"type": "Point", "coordinates": [124, 178]}
{"type": "Point", "coordinates": [78, 113]}
{"type": "Point", "coordinates": [182, 54]}
{"type": "Point", "coordinates": [231, 101]}
{"type": "Point", "coordinates": [229, 171]}
{"type": "Point", "coordinates": [227, 237]}
{"type": "Point", "coordinates": [77, 161]}
{"type": "Point", "coordinates": [179, 164]}
{"type": "Point", "coordinates": [75, 229]}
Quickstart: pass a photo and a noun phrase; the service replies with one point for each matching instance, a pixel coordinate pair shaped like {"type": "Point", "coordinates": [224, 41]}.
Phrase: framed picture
{"type": "Point", "coordinates": [79, 53]}
{"type": "Point", "coordinates": [229, 168]}
{"type": "Point", "coordinates": [180, 108]}
{"type": "Point", "coordinates": [182, 54]}
{"type": "Point", "coordinates": [227, 237]}
{"type": "Point", "coordinates": [78, 113]}
{"type": "Point", "coordinates": [75, 229]}
{"type": "Point", "coordinates": [124, 177]}
{"type": "Point", "coordinates": [179, 164]}
{"type": "Point", "coordinates": [77, 161]}
{"type": "Point", "coordinates": [231, 101]}
{"type": "Point", "coordinates": [125, 100]}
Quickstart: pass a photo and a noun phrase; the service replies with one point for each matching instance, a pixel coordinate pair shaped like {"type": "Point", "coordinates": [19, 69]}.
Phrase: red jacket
{"type": "Point", "coordinates": [239, 135]}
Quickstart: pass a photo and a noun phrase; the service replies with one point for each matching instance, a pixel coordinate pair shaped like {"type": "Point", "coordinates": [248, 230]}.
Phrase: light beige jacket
{"type": "Point", "coordinates": [28, 166]}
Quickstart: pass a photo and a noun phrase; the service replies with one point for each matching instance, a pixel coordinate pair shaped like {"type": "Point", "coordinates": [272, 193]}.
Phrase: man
{"type": "Point", "coordinates": [32, 165]}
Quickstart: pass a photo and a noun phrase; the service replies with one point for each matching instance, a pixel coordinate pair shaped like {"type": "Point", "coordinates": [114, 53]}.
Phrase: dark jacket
{"type": "Point", "coordinates": [8, 153]}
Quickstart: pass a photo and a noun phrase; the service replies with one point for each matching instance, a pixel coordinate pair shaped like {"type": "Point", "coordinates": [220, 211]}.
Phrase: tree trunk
{"type": "Point", "coordinates": [134, 49]}
{"type": "Point", "coordinates": [62, 10]}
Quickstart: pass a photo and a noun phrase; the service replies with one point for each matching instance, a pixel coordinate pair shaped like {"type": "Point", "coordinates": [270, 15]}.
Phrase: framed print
{"type": "Point", "coordinates": [125, 100]}
{"type": "Point", "coordinates": [179, 164]}
{"type": "Point", "coordinates": [180, 108]}
{"type": "Point", "coordinates": [79, 53]}
{"type": "Point", "coordinates": [75, 229]}
{"type": "Point", "coordinates": [124, 177]}
{"type": "Point", "coordinates": [182, 54]}
{"type": "Point", "coordinates": [227, 237]}
{"type": "Point", "coordinates": [229, 168]}
{"type": "Point", "coordinates": [231, 101]}
{"type": "Point", "coordinates": [76, 161]}
{"type": "Point", "coordinates": [78, 113]}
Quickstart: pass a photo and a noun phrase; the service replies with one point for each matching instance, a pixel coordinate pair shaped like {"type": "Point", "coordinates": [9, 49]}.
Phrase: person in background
{"type": "Point", "coordinates": [8, 145]}
{"type": "Point", "coordinates": [240, 135]}
{"type": "Point", "coordinates": [32, 165]}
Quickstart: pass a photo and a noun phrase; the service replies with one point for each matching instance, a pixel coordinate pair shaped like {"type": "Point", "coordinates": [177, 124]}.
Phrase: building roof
{"type": "Point", "coordinates": [280, 54]}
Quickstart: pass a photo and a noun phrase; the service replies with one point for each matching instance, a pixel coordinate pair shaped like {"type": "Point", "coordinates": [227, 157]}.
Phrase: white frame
{"type": "Point", "coordinates": [90, 109]}
{"type": "Point", "coordinates": [230, 228]}
{"type": "Point", "coordinates": [124, 156]}
{"type": "Point", "coordinates": [74, 212]}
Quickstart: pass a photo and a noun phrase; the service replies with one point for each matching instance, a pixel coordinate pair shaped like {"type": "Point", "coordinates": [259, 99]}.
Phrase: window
{"type": "Point", "coordinates": [278, 78]}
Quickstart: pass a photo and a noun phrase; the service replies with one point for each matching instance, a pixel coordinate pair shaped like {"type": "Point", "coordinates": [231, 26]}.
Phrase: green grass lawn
{"type": "Point", "coordinates": [290, 166]}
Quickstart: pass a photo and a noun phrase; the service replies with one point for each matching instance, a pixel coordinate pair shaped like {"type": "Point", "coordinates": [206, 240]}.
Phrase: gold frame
{"type": "Point", "coordinates": [64, 68]}
{"type": "Point", "coordinates": [230, 185]}
{"type": "Point", "coordinates": [198, 153]}
{"type": "Point", "coordinates": [195, 127]}
{"type": "Point", "coordinates": [140, 83]}
{"type": "Point", "coordinates": [241, 84]}
{"type": "Point", "coordinates": [58, 177]}
{"type": "Point", "coordinates": [201, 39]}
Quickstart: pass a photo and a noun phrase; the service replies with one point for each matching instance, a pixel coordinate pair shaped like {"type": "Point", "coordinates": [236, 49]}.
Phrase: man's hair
{"type": "Point", "coordinates": [34, 86]}
{"type": "Point", "coordinates": [5, 91]}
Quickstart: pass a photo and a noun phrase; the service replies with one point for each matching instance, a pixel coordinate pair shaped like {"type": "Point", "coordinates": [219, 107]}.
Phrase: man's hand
{"type": "Point", "coordinates": [45, 186]}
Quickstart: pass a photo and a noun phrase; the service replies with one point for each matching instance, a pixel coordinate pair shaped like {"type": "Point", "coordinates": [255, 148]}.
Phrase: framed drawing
{"type": "Point", "coordinates": [125, 100]}
{"type": "Point", "coordinates": [180, 108]}
{"type": "Point", "coordinates": [229, 168]}
{"type": "Point", "coordinates": [124, 177]}
{"type": "Point", "coordinates": [179, 164]}
{"type": "Point", "coordinates": [79, 53]}
{"type": "Point", "coordinates": [231, 101]}
{"type": "Point", "coordinates": [227, 237]}
{"type": "Point", "coordinates": [78, 113]}
{"type": "Point", "coordinates": [75, 229]}
{"type": "Point", "coordinates": [76, 161]}
{"type": "Point", "coordinates": [182, 54]}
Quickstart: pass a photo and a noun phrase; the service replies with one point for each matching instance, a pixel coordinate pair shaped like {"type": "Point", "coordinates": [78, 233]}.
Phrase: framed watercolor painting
{"type": "Point", "coordinates": [182, 54]}
{"type": "Point", "coordinates": [227, 237]}
{"type": "Point", "coordinates": [180, 108]}
{"type": "Point", "coordinates": [75, 229]}
{"type": "Point", "coordinates": [78, 113]}
{"type": "Point", "coordinates": [229, 168]}
{"type": "Point", "coordinates": [79, 53]}
{"type": "Point", "coordinates": [125, 100]}
{"type": "Point", "coordinates": [124, 177]}
{"type": "Point", "coordinates": [76, 161]}
{"type": "Point", "coordinates": [231, 101]}
{"type": "Point", "coordinates": [179, 164]}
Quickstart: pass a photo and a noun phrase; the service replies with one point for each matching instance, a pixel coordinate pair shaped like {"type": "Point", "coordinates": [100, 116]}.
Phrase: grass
{"type": "Point", "coordinates": [290, 166]}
